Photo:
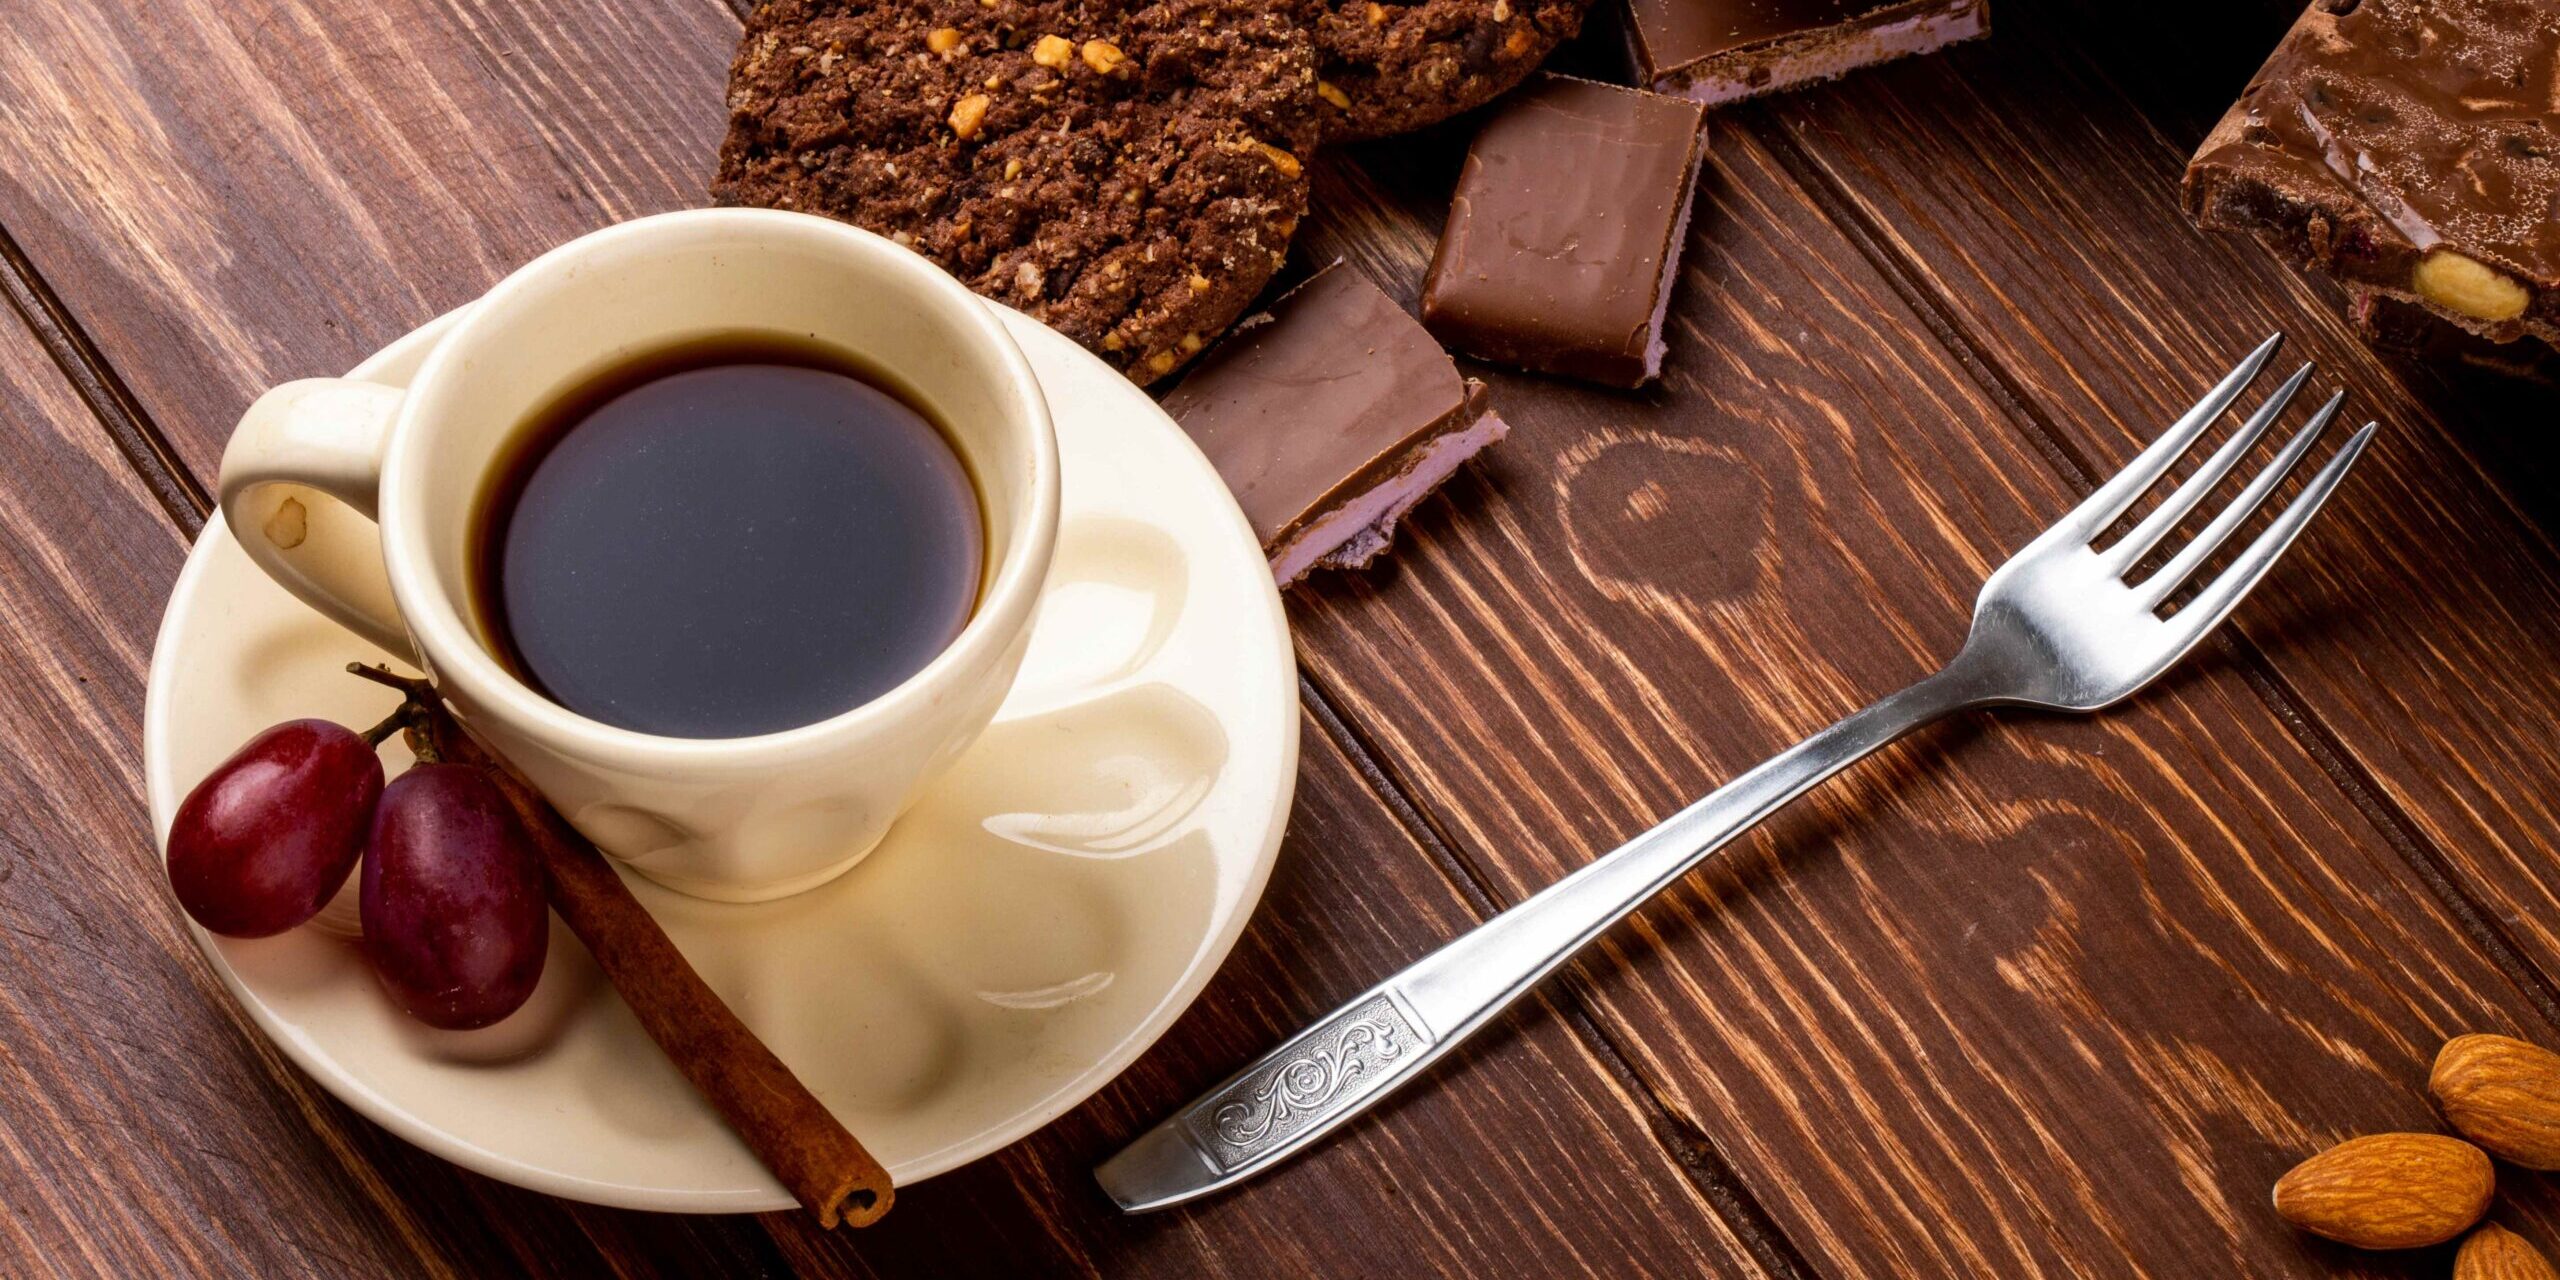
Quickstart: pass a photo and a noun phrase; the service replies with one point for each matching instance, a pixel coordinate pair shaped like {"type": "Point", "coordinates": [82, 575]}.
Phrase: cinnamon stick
{"type": "Point", "coordinates": [816, 1157]}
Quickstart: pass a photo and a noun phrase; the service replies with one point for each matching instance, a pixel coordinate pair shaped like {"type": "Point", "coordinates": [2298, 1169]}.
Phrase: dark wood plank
{"type": "Point", "coordinates": [2171, 982]}
{"type": "Point", "coordinates": [277, 189]}
{"type": "Point", "coordinates": [2416, 647]}
{"type": "Point", "coordinates": [2181, 82]}
{"type": "Point", "coordinates": [2137, 963]}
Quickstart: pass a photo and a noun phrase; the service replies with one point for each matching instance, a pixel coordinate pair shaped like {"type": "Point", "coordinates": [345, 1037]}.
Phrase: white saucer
{"type": "Point", "coordinates": [1025, 932]}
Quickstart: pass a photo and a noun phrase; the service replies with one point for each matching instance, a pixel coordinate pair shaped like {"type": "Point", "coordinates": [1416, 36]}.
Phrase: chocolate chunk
{"type": "Point", "coordinates": [1330, 417]}
{"type": "Point", "coordinates": [1388, 67]}
{"type": "Point", "coordinates": [1727, 50]}
{"type": "Point", "coordinates": [2411, 331]}
{"type": "Point", "coordinates": [2410, 148]}
{"type": "Point", "coordinates": [1564, 237]}
{"type": "Point", "coordinates": [1126, 171]}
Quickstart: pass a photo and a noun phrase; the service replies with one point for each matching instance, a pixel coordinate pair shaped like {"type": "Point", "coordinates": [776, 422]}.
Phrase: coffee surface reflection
{"type": "Point", "coordinates": [728, 538]}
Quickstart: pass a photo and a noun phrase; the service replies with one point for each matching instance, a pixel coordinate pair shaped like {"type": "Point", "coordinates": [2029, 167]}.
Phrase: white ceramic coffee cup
{"type": "Point", "coordinates": [359, 498]}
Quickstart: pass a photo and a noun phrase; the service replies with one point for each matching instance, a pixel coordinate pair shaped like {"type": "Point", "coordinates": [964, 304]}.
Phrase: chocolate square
{"type": "Point", "coordinates": [1330, 417]}
{"type": "Point", "coordinates": [1564, 237]}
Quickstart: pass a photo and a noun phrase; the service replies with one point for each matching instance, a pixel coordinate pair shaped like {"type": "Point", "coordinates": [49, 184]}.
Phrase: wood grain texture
{"type": "Point", "coordinates": [2138, 964]}
{"type": "Point", "coordinates": [2018, 998]}
{"type": "Point", "coordinates": [2417, 646]}
{"type": "Point", "coordinates": [352, 168]}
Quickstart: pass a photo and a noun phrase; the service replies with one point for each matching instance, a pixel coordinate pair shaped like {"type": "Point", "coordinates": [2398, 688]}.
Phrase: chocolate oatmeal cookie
{"type": "Point", "coordinates": [1386, 68]}
{"type": "Point", "coordinates": [1126, 171]}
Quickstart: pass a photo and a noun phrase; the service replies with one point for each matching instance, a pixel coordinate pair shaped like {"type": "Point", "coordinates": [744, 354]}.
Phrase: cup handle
{"type": "Point", "coordinates": [300, 484]}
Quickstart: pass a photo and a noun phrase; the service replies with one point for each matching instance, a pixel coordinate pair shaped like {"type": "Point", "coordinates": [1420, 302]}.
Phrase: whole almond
{"type": "Point", "coordinates": [2503, 1094]}
{"type": "Point", "coordinates": [2495, 1253]}
{"type": "Point", "coordinates": [2469, 286]}
{"type": "Point", "coordinates": [2389, 1190]}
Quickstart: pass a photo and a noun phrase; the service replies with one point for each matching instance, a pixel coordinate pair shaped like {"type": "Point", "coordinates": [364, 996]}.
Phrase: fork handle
{"type": "Point", "coordinates": [1356, 1055]}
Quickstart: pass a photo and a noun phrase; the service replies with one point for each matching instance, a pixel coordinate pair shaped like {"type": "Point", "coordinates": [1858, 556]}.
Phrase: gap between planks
{"type": "Point", "coordinates": [2364, 792]}
{"type": "Point", "coordinates": [101, 388]}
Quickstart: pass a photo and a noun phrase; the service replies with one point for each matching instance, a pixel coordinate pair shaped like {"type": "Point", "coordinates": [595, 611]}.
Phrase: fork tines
{"type": "Point", "coordinates": [2216, 597]}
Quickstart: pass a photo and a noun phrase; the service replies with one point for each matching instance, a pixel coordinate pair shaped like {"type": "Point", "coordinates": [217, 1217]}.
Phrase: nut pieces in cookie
{"type": "Point", "coordinates": [1392, 68]}
{"type": "Point", "coordinates": [1084, 162]}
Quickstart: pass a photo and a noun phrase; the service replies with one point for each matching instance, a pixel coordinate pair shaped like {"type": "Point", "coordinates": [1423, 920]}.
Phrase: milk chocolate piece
{"type": "Point", "coordinates": [1726, 50]}
{"type": "Point", "coordinates": [1330, 417]}
{"type": "Point", "coordinates": [2411, 149]}
{"type": "Point", "coordinates": [1565, 234]}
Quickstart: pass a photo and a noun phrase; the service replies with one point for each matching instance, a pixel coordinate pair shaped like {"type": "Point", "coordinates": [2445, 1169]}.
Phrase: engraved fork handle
{"type": "Point", "coordinates": [1359, 1053]}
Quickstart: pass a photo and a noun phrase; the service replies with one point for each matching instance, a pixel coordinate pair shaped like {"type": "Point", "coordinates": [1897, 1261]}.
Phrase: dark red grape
{"type": "Point", "coordinates": [454, 917]}
{"type": "Point", "coordinates": [260, 845]}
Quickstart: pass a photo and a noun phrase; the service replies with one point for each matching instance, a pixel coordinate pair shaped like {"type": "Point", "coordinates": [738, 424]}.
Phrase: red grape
{"type": "Point", "coordinates": [260, 845]}
{"type": "Point", "coordinates": [454, 916]}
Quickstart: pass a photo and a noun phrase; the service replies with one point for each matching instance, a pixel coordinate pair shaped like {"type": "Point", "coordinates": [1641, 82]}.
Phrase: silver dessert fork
{"type": "Point", "coordinates": [2058, 627]}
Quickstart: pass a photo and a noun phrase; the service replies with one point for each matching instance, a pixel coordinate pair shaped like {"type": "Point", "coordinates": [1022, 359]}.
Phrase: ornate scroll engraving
{"type": "Point", "coordinates": [1338, 1061]}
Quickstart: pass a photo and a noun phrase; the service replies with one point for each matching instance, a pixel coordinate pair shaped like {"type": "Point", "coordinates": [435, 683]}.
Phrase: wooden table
{"type": "Point", "coordinates": [2020, 997]}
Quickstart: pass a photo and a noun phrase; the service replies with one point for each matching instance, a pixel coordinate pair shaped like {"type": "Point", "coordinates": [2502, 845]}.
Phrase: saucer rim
{"type": "Point", "coordinates": [356, 1092]}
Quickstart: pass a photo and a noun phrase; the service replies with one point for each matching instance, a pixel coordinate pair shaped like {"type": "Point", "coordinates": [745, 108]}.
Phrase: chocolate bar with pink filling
{"type": "Point", "coordinates": [1330, 417]}
{"type": "Point", "coordinates": [1564, 236]}
{"type": "Point", "coordinates": [1716, 51]}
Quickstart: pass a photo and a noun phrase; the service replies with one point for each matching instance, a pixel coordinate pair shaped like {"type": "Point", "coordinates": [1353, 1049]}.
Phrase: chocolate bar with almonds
{"type": "Point", "coordinates": [2410, 149]}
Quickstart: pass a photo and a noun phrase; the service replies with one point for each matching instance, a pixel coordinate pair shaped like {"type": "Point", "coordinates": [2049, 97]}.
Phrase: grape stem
{"type": "Point", "coordinates": [418, 703]}
{"type": "Point", "coordinates": [416, 687]}
{"type": "Point", "coordinates": [391, 724]}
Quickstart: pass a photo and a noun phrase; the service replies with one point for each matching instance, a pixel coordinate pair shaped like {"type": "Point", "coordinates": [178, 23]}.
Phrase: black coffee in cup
{"type": "Point", "coordinates": [727, 538]}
